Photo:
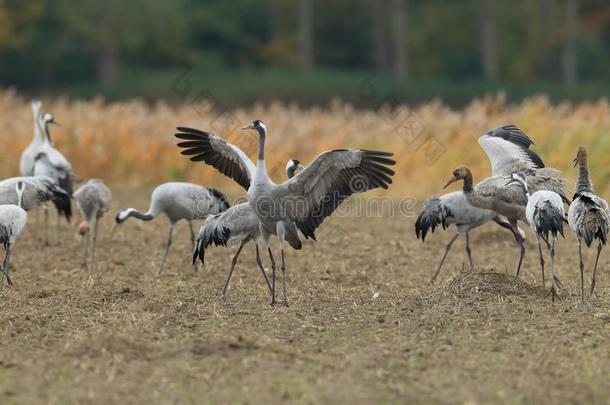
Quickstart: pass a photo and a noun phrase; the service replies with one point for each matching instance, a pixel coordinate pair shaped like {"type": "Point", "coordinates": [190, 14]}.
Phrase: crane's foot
{"type": "Point", "coordinates": [592, 286]}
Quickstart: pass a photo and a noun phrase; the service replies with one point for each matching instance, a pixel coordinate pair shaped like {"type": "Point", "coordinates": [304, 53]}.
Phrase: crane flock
{"type": "Point", "coordinates": [520, 188]}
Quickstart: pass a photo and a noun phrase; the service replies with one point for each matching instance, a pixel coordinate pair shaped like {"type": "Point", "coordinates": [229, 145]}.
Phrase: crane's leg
{"type": "Point", "coordinates": [46, 225]}
{"type": "Point", "coordinates": [555, 281]}
{"type": "Point", "coordinates": [259, 262]}
{"type": "Point", "coordinates": [266, 237]}
{"type": "Point", "coordinates": [58, 238]}
{"type": "Point", "coordinates": [193, 242]}
{"type": "Point", "coordinates": [86, 244]}
{"type": "Point", "coordinates": [582, 272]}
{"type": "Point", "coordinates": [5, 264]}
{"type": "Point", "coordinates": [521, 242]}
{"type": "Point", "coordinates": [167, 245]}
{"type": "Point", "coordinates": [469, 251]}
{"type": "Point", "coordinates": [541, 260]}
{"type": "Point", "coordinates": [233, 263]}
{"type": "Point", "coordinates": [281, 234]}
{"type": "Point", "coordinates": [599, 251]}
{"type": "Point", "coordinates": [94, 244]}
{"type": "Point", "coordinates": [440, 265]}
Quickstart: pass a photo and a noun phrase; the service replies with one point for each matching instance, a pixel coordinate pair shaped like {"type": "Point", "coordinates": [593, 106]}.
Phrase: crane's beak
{"type": "Point", "coordinates": [511, 181]}
{"type": "Point", "coordinates": [575, 162]}
{"type": "Point", "coordinates": [300, 167]}
{"type": "Point", "coordinates": [113, 228]}
{"type": "Point", "coordinates": [248, 127]}
{"type": "Point", "coordinates": [55, 122]}
{"type": "Point", "coordinates": [452, 180]}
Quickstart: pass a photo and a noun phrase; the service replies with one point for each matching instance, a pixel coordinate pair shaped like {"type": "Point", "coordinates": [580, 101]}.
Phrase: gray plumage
{"type": "Point", "coordinates": [39, 190]}
{"type": "Point", "coordinates": [12, 222]}
{"type": "Point", "coordinates": [508, 151]}
{"type": "Point", "coordinates": [545, 215]}
{"type": "Point", "coordinates": [52, 163]}
{"type": "Point", "coordinates": [588, 216]}
{"type": "Point", "coordinates": [178, 201]}
{"type": "Point", "coordinates": [236, 226]}
{"type": "Point", "coordinates": [301, 203]}
{"type": "Point", "coordinates": [92, 200]}
{"type": "Point", "coordinates": [454, 209]}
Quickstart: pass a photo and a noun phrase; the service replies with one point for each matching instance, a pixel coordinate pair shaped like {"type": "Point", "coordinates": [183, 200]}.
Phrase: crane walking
{"type": "Point", "coordinates": [453, 209]}
{"type": "Point", "coordinates": [588, 216]}
{"type": "Point", "coordinates": [545, 215]}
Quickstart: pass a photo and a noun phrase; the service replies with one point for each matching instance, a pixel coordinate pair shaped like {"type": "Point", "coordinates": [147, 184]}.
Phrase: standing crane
{"type": "Point", "coordinates": [52, 163]}
{"type": "Point", "coordinates": [588, 216]}
{"type": "Point", "coordinates": [178, 201]}
{"type": "Point", "coordinates": [508, 150]}
{"type": "Point", "coordinates": [92, 200]}
{"type": "Point", "coordinates": [299, 204]}
{"type": "Point", "coordinates": [453, 209]}
{"type": "Point", "coordinates": [236, 226]}
{"type": "Point", "coordinates": [12, 221]}
{"type": "Point", "coordinates": [545, 215]}
{"type": "Point", "coordinates": [26, 163]}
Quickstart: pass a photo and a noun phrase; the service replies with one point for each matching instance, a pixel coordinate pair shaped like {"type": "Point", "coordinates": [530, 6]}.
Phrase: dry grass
{"type": "Point", "coordinates": [131, 143]}
{"type": "Point", "coordinates": [120, 334]}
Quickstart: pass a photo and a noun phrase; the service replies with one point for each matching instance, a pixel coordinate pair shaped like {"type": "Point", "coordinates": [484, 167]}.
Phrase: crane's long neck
{"type": "Point", "coordinates": [584, 183]}
{"type": "Point", "coordinates": [468, 187]}
{"type": "Point", "coordinates": [37, 132]}
{"type": "Point", "coordinates": [261, 168]}
{"type": "Point", "coordinates": [20, 198]}
{"type": "Point", "coordinates": [47, 133]}
{"type": "Point", "coordinates": [132, 212]}
{"type": "Point", "coordinates": [261, 145]}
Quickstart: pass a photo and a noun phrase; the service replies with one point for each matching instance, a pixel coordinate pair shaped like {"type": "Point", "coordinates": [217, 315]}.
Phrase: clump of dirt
{"type": "Point", "coordinates": [488, 286]}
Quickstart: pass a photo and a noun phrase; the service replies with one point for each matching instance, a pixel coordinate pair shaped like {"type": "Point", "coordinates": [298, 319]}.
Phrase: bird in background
{"type": "Point", "coordinates": [453, 209]}
{"type": "Point", "coordinates": [588, 216]}
{"type": "Point", "coordinates": [26, 162]}
{"type": "Point", "coordinates": [52, 163]}
{"type": "Point", "coordinates": [178, 201]}
{"type": "Point", "coordinates": [299, 204]}
{"type": "Point", "coordinates": [545, 215]}
{"type": "Point", "coordinates": [92, 201]}
{"type": "Point", "coordinates": [508, 150]}
{"type": "Point", "coordinates": [236, 226]}
{"type": "Point", "coordinates": [12, 222]}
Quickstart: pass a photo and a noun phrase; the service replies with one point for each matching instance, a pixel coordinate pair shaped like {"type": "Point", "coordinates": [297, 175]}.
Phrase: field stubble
{"type": "Point", "coordinates": [122, 334]}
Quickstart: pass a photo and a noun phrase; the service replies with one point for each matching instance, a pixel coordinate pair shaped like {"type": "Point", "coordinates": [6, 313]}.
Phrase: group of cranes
{"type": "Point", "coordinates": [505, 198]}
{"type": "Point", "coordinates": [520, 188]}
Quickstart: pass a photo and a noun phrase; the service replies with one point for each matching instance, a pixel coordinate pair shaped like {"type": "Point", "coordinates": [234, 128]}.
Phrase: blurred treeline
{"type": "Point", "coordinates": [307, 50]}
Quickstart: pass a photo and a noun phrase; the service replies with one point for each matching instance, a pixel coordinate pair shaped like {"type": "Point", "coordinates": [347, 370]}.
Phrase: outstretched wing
{"type": "Point", "coordinates": [226, 158]}
{"type": "Point", "coordinates": [507, 146]}
{"type": "Point", "coordinates": [321, 187]}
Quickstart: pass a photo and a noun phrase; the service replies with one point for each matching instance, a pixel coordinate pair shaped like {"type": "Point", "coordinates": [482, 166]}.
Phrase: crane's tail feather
{"type": "Point", "coordinates": [62, 202]}
{"type": "Point", "coordinates": [434, 214]}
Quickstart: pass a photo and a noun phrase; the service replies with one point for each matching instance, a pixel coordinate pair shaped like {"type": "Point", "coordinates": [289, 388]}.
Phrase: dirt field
{"type": "Point", "coordinates": [122, 335]}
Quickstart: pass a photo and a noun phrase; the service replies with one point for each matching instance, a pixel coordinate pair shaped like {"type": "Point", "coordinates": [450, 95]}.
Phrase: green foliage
{"type": "Point", "coordinates": [136, 47]}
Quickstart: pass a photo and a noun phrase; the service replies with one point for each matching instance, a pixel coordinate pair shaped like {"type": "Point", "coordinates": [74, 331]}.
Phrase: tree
{"type": "Point", "coordinates": [381, 48]}
{"type": "Point", "coordinates": [569, 59]}
{"type": "Point", "coordinates": [488, 39]}
{"type": "Point", "coordinates": [399, 31]}
{"type": "Point", "coordinates": [306, 33]}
